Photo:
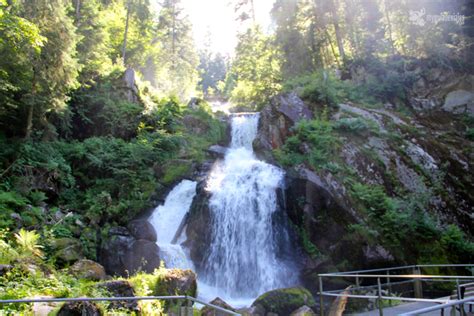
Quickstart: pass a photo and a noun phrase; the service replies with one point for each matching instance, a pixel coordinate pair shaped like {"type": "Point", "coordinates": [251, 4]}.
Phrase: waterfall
{"type": "Point", "coordinates": [167, 219]}
{"type": "Point", "coordinates": [244, 258]}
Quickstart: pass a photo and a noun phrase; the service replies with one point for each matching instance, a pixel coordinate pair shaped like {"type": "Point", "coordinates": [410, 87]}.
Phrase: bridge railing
{"type": "Point", "coordinates": [184, 311]}
{"type": "Point", "coordinates": [385, 279]}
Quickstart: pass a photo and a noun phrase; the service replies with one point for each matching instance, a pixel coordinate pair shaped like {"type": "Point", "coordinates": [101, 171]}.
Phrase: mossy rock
{"type": "Point", "coordinates": [176, 282]}
{"type": "Point", "coordinates": [283, 301]}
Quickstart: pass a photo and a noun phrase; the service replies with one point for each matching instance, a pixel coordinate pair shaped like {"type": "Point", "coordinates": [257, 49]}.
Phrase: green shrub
{"type": "Point", "coordinates": [355, 125]}
{"type": "Point", "coordinates": [313, 142]}
{"type": "Point", "coordinates": [320, 87]}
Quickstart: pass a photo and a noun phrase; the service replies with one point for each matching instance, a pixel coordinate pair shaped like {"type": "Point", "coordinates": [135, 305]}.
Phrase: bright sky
{"type": "Point", "coordinates": [218, 18]}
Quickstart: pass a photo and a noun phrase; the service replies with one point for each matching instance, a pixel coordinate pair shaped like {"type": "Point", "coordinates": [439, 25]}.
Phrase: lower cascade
{"type": "Point", "coordinates": [245, 257]}
{"type": "Point", "coordinates": [168, 220]}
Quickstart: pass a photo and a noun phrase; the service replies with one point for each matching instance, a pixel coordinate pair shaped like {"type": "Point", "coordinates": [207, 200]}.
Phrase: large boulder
{"type": "Point", "coordinates": [122, 254]}
{"type": "Point", "coordinates": [121, 288]}
{"type": "Point", "coordinates": [217, 151]}
{"type": "Point", "coordinates": [208, 311]}
{"type": "Point", "coordinates": [283, 301]}
{"type": "Point", "coordinates": [79, 309]}
{"type": "Point", "coordinates": [142, 229]}
{"type": "Point", "coordinates": [88, 269]}
{"type": "Point", "coordinates": [459, 102]}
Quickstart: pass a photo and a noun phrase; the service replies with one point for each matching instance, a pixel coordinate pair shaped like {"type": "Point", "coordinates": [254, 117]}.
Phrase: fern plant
{"type": "Point", "coordinates": [27, 243]}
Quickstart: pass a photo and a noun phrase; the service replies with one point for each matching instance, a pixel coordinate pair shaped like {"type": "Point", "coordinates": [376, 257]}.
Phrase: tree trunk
{"type": "Point", "coordinates": [29, 118]}
{"type": "Point", "coordinates": [125, 34]}
{"type": "Point", "coordinates": [253, 12]}
{"type": "Point", "coordinates": [173, 37]}
{"type": "Point", "coordinates": [337, 30]}
{"type": "Point", "coordinates": [78, 9]}
{"type": "Point", "coordinates": [389, 25]}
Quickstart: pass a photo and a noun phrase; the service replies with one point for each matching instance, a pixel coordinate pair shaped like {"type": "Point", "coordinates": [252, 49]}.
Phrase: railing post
{"type": "Point", "coordinates": [357, 281]}
{"type": "Point", "coordinates": [458, 291]}
{"type": "Point", "coordinates": [417, 288]}
{"type": "Point", "coordinates": [321, 301]}
{"type": "Point", "coordinates": [379, 300]}
{"type": "Point", "coordinates": [389, 287]}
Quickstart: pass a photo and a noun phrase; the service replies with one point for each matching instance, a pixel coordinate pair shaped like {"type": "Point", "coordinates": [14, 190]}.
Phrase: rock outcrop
{"type": "Point", "coordinates": [275, 122]}
{"type": "Point", "coordinates": [426, 157]}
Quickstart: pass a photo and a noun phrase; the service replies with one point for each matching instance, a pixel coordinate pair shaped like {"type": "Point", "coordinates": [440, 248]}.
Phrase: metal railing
{"type": "Point", "coordinates": [186, 310]}
{"type": "Point", "coordinates": [453, 304]}
{"type": "Point", "coordinates": [386, 280]}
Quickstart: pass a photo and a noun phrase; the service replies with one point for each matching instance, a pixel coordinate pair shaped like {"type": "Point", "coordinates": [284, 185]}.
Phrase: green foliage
{"type": "Point", "coordinates": [308, 246]}
{"type": "Point", "coordinates": [313, 142]}
{"type": "Point", "coordinates": [10, 202]}
{"type": "Point", "coordinates": [470, 133]}
{"type": "Point", "coordinates": [355, 125]}
{"type": "Point", "coordinates": [255, 71]}
{"type": "Point", "coordinates": [320, 87]}
{"type": "Point", "coordinates": [397, 222]}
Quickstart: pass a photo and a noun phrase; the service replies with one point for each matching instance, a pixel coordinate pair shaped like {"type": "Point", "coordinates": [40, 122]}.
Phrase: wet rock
{"type": "Point", "coordinates": [459, 101]}
{"type": "Point", "coordinates": [79, 309]}
{"type": "Point", "coordinates": [142, 229]}
{"type": "Point", "coordinates": [88, 269]}
{"type": "Point", "coordinates": [176, 282]}
{"type": "Point", "coordinates": [121, 288]}
{"type": "Point", "coordinates": [207, 311]}
{"type": "Point", "coordinates": [122, 254]}
{"type": "Point", "coordinates": [283, 301]}
{"type": "Point", "coordinates": [217, 151]}
{"type": "Point", "coordinates": [303, 311]}
{"type": "Point", "coordinates": [198, 223]}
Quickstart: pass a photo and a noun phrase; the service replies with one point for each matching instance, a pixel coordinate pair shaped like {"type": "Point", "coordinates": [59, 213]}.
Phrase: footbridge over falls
{"type": "Point", "coordinates": [427, 289]}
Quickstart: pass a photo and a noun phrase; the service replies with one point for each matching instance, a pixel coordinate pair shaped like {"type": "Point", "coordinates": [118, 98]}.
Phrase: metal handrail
{"type": "Point", "coordinates": [416, 278]}
{"type": "Point", "coordinates": [128, 298]}
{"type": "Point", "coordinates": [438, 307]}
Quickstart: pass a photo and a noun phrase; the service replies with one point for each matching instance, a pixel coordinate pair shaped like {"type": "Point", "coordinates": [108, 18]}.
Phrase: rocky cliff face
{"type": "Point", "coordinates": [422, 157]}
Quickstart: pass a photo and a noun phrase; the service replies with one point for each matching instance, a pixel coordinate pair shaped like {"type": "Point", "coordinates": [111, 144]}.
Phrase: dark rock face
{"type": "Point", "coordinates": [142, 229]}
{"type": "Point", "coordinates": [88, 269]}
{"type": "Point", "coordinates": [276, 119]}
{"type": "Point", "coordinates": [207, 311]}
{"type": "Point", "coordinates": [79, 309]}
{"type": "Point", "coordinates": [122, 254]}
{"type": "Point", "coordinates": [198, 225]}
{"type": "Point", "coordinates": [283, 301]}
{"type": "Point", "coordinates": [121, 288]}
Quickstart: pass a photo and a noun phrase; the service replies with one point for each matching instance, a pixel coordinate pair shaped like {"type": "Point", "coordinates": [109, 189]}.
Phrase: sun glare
{"type": "Point", "coordinates": [216, 19]}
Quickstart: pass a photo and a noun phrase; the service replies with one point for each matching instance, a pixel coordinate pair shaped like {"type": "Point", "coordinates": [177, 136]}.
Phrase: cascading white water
{"type": "Point", "coordinates": [167, 219]}
{"type": "Point", "coordinates": [243, 257]}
